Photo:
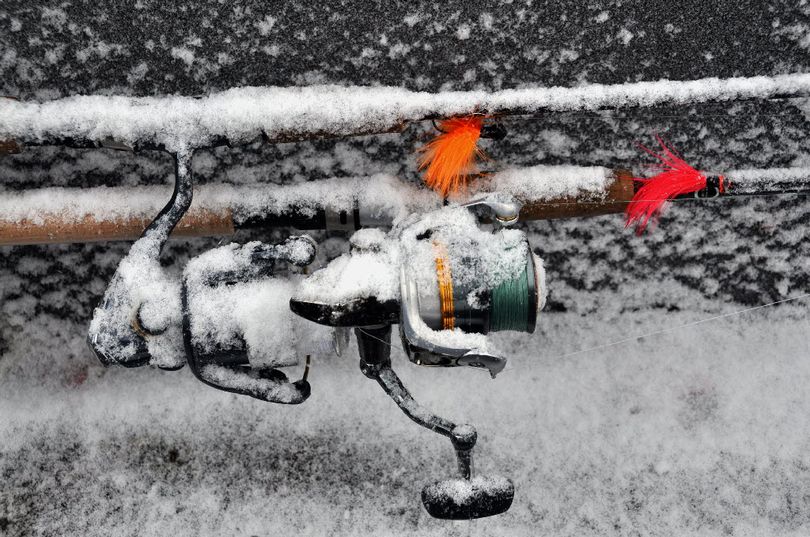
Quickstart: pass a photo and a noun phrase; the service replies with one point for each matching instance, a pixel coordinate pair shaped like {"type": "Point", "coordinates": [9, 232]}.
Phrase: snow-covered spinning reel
{"type": "Point", "coordinates": [446, 283]}
{"type": "Point", "coordinates": [238, 314]}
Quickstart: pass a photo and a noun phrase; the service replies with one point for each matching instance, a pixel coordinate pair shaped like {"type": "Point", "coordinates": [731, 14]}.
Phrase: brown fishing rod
{"type": "Point", "coordinates": [220, 213]}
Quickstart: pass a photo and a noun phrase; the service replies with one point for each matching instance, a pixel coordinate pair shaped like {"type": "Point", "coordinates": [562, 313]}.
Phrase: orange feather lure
{"type": "Point", "coordinates": [450, 157]}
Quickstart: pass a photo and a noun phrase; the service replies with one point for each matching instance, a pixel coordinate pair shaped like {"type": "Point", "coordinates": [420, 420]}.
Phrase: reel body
{"type": "Point", "coordinates": [237, 327]}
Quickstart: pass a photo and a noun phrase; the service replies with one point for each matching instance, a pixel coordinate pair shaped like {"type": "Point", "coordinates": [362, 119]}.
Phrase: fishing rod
{"type": "Point", "coordinates": [65, 215]}
{"type": "Point", "coordinates": [275, 114]}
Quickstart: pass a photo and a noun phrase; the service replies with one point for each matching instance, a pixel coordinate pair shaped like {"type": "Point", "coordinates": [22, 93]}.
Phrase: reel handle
{"type": "Point", "coordinates": [483, 497]}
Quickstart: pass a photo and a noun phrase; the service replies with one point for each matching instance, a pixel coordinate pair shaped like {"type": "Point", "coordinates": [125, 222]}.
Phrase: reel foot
{"type": "Point", "coordinates": [465, 499]}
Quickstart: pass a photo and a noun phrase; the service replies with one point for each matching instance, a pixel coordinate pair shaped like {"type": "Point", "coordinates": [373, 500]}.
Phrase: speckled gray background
{"type": "Point", "coordinates": [702, 259]}
{"type": "Point", "coordinates": [145, 48]}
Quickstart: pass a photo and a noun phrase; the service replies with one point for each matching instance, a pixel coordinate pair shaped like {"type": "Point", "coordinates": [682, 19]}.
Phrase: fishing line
{"type": "Point", "coordinates": [372, 336]}
{"type": "Point", "coordinates": [687, 325]}
{"type": "Point", "coordinates": [639, 336]}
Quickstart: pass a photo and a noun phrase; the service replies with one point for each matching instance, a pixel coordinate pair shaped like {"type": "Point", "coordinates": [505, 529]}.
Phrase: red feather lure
{"type": "Point", "coordinates": [676, 177]}
{"type": "Point", "coordinates": [450, 157]}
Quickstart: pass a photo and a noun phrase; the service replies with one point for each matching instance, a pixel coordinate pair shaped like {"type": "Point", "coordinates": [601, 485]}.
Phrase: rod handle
{"type": "Point", "coordinates": [53, 228]}
{"type": "Point", "coordinates": [619, 193]}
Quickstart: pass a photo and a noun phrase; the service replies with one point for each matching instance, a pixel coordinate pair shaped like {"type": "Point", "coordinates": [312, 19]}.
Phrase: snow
{"type": "Point", "coordinates": [372, 269]}
{"type": "Point", "coordinates": [544, 182]}
{"type": "Point", "coordinates": [656, 436]}
{"type": "Point", "coordinates": [143, 288]}
{"type": "Point", "coordinates": [229, 379]}
{"type": "Point", "coordinates": [461, 490]}
{"type": "Point", "coordinates": [775, 179]}
{"type": "Point", "coordinates": [243, 114]}
{"type": "Point", "coordinates": [184, 54]}
{"type": "Point", "coordinates": [250, 311]}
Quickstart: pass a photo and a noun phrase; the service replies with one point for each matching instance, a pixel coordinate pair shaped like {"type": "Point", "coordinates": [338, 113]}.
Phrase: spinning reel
{"type": "Point", "coordinates": [456, 284]}
{"type": "Point", "coordinates": [441, 278]}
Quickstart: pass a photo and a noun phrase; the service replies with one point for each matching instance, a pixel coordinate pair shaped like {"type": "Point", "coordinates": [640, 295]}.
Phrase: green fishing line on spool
{"type": "Point", "coordinates": [510, 303]}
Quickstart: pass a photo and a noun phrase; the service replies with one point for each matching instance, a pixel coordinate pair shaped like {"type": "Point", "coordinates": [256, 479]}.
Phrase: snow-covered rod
{"type": "Point", "coordinates": [240, 115]}
{"type": "Point", "coordinates": [65, 215]}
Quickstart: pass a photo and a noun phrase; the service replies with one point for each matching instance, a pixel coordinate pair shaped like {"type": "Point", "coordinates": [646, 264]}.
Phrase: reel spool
{"type": "Point", "coordinates": [511, 305]}
{"type": "Point", "coordinates": [458, 284]}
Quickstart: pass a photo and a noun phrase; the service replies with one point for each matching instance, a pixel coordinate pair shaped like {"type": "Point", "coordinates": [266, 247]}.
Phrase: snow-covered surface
{"type": "Point", "coordinates": [699, 431]}
{"type": "Point", "coordinates": [243, 114]}
{"type": "Point", "coordinates": [776, 179]}
{"type": "Point", "coordinates": [233, 306]}
{"type": "Point", "coordinates": [548, 182]}
{"type": "Point", "coordinates": [362, 273]}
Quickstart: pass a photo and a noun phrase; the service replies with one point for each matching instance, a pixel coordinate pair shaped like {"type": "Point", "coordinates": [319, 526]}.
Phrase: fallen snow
{"type": "Point", "coordinates": [542, 183]}
{"type": "Point", "coordinates": [235, 306]}
{"type": "Point", "coordinates": [658, 436]}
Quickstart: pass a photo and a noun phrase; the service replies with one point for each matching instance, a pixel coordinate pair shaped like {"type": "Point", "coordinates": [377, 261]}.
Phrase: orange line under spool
{"type": "Point", "coordinates": [445, 279]}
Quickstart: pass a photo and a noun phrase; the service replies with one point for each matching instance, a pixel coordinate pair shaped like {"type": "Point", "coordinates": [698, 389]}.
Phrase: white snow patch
{"type": "Point", "coordinates": [625, 36]}
{"type": "Point", "coordinates": [549, 182]}
{"type": "Point", "coordinates": [463, 32]}
{"type": "Point", "coordinates": [183, 53]}
{"type": "Point", "coordinates": [266, 25]}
